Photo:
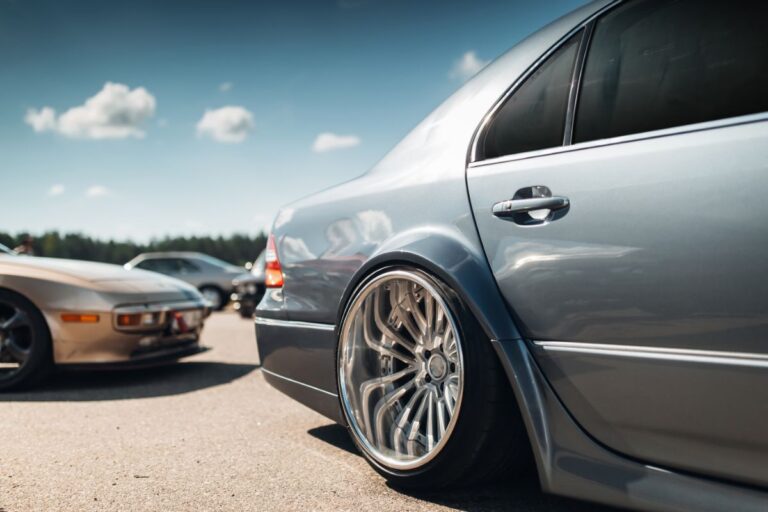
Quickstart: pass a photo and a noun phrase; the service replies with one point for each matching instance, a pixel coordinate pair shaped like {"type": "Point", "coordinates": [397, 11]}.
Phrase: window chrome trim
{"type": "Point", "coordinates": [658, 353]}
{"type": "Point", "coordinates": [578, 72]}
{"type": "Point", "coordinates": [635, 137]}
{"type": "Point", "coordinates": [481, 128]}
{"type": "Point", "coordinates": [273, 322]}
{"type": "Point", "coordinates": [293, 381]}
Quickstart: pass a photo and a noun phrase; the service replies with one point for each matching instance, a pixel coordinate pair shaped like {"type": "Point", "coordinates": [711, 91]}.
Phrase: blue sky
{"type": "Point", "coordinates": [318, 92]}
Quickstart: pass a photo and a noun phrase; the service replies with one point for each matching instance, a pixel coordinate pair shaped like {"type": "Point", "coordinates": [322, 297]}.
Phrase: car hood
{"type": "Point", "coordinates": [97, 276]}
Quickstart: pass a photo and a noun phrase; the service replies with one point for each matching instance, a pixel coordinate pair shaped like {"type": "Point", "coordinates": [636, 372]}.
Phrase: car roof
{"type": "Point", "coordinates": [169, 254]}
{"type": "Point", "coordinates": [162, 255]}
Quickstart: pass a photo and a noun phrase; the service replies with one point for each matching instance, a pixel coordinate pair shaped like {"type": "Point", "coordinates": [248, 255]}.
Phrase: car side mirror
{"type": "Point", "coordinates": [248, 266]}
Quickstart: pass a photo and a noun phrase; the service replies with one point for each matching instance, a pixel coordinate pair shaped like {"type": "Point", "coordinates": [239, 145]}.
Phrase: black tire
{"type": "Point", "coordinates": [35, 335]}
{"type": "Point", "coordinates": [246, 311]}
{"type": "Point", "coordinates": [488, 440]}
{"type": "Point", "coordinates": [217, 291]}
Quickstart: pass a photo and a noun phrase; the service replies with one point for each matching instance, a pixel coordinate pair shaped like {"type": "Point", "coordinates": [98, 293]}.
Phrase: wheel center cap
{"type": "Point", "coordinates": [437, 366]}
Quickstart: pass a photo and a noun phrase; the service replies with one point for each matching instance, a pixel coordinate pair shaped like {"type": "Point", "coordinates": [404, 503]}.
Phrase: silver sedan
{"type": "Point", "coordinates": [567, 258]}
{"type": "Point", "coordinates": [212, 276]}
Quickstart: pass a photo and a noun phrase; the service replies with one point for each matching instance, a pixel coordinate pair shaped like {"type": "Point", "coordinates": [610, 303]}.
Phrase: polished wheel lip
{"type": "Point", "coordinates": [347, 324]}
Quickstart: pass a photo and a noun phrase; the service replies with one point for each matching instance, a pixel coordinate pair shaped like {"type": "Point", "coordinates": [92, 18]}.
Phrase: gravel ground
{"type": "Point", "coordinates": [206, 434]}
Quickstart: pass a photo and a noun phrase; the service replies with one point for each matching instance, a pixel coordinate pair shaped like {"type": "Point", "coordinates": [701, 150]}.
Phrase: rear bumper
{"type": "Point", "coordinates": [299, 359]}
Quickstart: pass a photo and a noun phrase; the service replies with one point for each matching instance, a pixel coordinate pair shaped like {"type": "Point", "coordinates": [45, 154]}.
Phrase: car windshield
{"type": "Point", "coordinates": [5, 250]}
{"type": "Point", "coordinates": [217, 262]}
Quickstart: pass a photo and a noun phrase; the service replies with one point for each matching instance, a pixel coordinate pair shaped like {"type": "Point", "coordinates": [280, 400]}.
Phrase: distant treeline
{"type": "Point", "coordinates": [237, 249]}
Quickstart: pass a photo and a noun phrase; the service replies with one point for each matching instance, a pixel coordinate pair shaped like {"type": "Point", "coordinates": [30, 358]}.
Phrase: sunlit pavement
{"type": "Point", "coordinates": [206, 434]}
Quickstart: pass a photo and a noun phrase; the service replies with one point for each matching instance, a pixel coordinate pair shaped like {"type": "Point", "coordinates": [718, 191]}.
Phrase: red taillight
{"type": "Point", "coordinates": [273, 272]}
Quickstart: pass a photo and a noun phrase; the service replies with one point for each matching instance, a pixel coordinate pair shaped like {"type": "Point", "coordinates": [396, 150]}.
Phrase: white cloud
{"type": "Point", "coordinates": [226, 124]}
{"type": "Point", "coordinates": [115, 112]}
{"type": "Point", "coordinates": [41, 120]}
{"type": "Point", "coordinates": [97, 191]}
{"type": "Point", "coordinates": [226, 86]}
{"type": "Point", "coordinates": [56, 190]}
{"type": "Point", "coordinates": [330, 141]}
{"type": "Point", "coordinates": [467, 66]}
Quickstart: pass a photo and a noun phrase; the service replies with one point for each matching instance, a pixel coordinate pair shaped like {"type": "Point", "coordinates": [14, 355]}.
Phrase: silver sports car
{"type": "Point", "coordinates": [82, 314]}
{"type": "Point", "coordinates": [568, 259]}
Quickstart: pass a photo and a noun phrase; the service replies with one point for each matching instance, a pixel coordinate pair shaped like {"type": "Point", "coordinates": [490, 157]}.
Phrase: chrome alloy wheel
{"type": "Point", "coordinates": [15, 339]}
{"type": "Point", "coordinates": [401, 372]}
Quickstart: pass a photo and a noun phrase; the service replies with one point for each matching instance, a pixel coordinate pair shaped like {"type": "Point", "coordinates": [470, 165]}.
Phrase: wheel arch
{"type": "Point", "coordinates": [34, 305]}
{"type": "Point", "coordinates": [456, 263]}
{"type": "Point", "coordinates": [452, 259]}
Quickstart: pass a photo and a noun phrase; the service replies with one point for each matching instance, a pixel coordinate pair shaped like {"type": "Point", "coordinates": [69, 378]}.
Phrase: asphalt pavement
{"type": "Point", "coordinates": [205, 434]}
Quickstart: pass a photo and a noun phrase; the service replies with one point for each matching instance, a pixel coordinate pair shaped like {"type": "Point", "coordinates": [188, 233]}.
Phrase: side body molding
{"type": "Point", "coordinates": [571, 463]}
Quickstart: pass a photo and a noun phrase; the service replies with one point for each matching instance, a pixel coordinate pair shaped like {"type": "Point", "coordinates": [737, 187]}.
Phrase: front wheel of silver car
{"type": "Point", "coordinates": [423, 394]}
{"type": "Point", "coordinates": [25, 344]}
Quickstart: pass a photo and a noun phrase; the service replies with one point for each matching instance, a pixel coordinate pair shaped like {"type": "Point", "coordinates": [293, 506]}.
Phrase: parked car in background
{"type": "Point", "coordinates": [567, 258]}
{"type": "Point", "coordinates": [77, 314]}
{"type": "Point", "coordinates": [249, 288]}
{"type": "Point", "coordinates": [212, 276]}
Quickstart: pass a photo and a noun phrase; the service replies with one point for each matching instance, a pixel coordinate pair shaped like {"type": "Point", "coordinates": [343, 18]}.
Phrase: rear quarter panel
{"type": "Point", "coordinates": [417, 192]}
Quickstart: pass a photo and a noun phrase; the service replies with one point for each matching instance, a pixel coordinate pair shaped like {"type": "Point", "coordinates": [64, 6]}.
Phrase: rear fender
{"type": "Point", "coordinates": [452, 259]}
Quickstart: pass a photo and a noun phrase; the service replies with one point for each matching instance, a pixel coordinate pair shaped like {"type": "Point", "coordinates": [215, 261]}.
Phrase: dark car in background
{"type": "Point", "coordinates": [567, 258]}
{"type": "Point", "coordinates": [212, 276]}
{"type": "Point", "coordinates": [249, 288]}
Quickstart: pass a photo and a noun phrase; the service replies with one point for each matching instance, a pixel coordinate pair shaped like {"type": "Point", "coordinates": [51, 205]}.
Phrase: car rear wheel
{"type": "Point", "coordinates": [422, 392]}
{"type": "Point", "coordinates": [214, 296]}
{"type": "Point", "coordinates": [25, 344]}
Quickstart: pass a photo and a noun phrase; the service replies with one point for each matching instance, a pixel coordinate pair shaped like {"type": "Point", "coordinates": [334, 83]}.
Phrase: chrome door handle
{"type": "Point", "coordinates": [511, 207]}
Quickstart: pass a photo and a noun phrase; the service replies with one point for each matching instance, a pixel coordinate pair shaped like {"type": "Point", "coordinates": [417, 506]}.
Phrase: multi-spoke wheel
{"type": "Point", "coordinates": [24, 342]}
{"type": "Point", "coordinates": [404, 369]}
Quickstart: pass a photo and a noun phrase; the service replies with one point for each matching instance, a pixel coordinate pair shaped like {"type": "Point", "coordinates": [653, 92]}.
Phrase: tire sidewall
{"type": "Point", "coordinates": [41, 357]}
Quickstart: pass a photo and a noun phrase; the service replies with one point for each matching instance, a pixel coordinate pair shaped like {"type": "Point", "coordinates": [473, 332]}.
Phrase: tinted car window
{"type": "Point", "coordinates": [185, 266]}
{"type": "Point", "coordinates": [534, 116]}
{"type": "Point", "coordinates": [164, 266]}
{"type": "Point", "coordinates": [654, 65]}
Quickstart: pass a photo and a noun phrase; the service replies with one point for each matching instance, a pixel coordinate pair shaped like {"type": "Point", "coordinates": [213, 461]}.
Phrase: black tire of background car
{"type": "Point", "coordinates": [40, 362]}
{"type": "Point", "coordinates": [489, 441]}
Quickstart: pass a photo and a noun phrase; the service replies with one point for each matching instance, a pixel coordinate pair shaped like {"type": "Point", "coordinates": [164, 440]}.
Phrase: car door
{"type": "Point", "coordinates": [620, 195]}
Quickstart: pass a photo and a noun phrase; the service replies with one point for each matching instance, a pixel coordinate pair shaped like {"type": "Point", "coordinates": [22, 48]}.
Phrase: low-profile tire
{"type": "Point", "coordinates": [25, 343]}
{"type": "Point", "coordinates": [407, 339]}
{"type": "Point", "coordinates": [215, 296]}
